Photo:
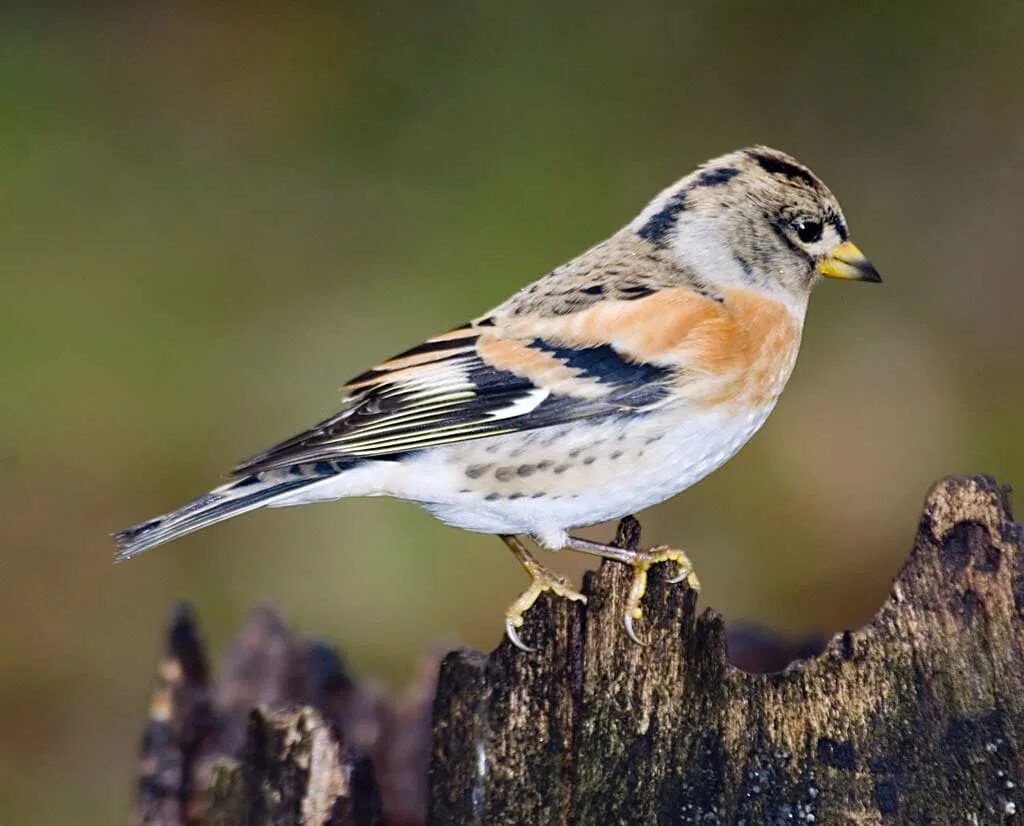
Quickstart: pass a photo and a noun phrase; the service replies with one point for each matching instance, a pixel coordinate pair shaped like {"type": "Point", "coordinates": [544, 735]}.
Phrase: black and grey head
{"type": "Point", "coordinates": [756, 217]}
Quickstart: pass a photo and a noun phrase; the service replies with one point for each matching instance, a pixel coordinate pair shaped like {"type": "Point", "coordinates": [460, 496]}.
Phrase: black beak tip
{"type": "Point", "coordinates": [871, 275]}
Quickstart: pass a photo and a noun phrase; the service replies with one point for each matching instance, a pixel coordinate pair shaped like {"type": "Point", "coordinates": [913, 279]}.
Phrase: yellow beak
{"type": "Point", "coordinates": [849, 263]}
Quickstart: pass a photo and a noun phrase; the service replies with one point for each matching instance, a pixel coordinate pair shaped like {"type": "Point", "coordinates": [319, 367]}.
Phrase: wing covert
{"type": "Point", "coordinates": [470, 383]}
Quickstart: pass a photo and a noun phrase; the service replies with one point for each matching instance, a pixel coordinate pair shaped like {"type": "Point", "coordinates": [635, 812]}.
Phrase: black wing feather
{"type": "Point", "coordinates": [461, 397]}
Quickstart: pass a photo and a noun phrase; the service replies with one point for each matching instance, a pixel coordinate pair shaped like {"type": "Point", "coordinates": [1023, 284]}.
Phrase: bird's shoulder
{"type": "Point", "coordinates": [610, 316]}
{"type": "Point", "coordinates": [628, 294]}
{"type": "Point", "coordinates": [624, 267]}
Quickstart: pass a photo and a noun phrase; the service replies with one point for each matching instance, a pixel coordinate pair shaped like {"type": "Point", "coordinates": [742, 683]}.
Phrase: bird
{"type": "Point", "coordinates": [607, 385]}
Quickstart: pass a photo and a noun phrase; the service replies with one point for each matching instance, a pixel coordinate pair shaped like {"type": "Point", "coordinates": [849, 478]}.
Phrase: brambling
{"type": "Point", "coordinates": [604, 387]}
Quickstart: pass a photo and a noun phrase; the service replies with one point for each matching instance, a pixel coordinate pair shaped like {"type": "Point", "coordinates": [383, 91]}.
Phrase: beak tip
{"type": "Point", "coordinates": [848, 263]}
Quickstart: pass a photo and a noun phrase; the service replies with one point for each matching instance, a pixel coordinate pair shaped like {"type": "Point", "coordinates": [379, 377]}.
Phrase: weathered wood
{"type": "Point", "coordinates": [180, 722]}
{"type": "Point", "coordinates": [916, 718]}
{"type": "Point", "coordinates": [294, 769]}
{"type": "Point", "coordinates": [283, 735]}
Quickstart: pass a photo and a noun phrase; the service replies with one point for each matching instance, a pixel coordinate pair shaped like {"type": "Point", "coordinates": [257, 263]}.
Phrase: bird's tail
{"type": "Point", "coordinates": [248, 493]}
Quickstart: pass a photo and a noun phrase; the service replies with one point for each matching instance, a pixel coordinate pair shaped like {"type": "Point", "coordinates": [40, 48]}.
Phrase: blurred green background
{"type": "Point", "coordinates": [210, 218]}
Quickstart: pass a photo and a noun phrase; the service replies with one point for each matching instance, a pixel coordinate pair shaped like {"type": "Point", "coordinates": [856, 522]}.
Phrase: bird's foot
{"type": "Point", "coordinates": [624, 550]}
{"type": "Point", "coordinates": [541, 579]}
{"type": "Point", "coordinates": [641, 563]}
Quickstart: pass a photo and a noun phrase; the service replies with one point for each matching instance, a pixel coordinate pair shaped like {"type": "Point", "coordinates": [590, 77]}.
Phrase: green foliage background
{"type": "Point", "coordinates": [210, 218]}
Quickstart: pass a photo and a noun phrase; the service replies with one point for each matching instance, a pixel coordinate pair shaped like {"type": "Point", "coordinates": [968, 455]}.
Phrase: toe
{"type": "Point", "coordinates": [683, 574]}
{"type": "Point", "coordinates": [630, 631]}
{"type": "Point", "coordinates": [563, 588]}
{"type": "Point", "coordinates": [512, 633]}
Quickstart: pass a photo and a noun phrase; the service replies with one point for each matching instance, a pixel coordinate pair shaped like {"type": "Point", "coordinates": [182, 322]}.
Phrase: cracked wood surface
{"type": "Point", "coordinates": [916, 718]}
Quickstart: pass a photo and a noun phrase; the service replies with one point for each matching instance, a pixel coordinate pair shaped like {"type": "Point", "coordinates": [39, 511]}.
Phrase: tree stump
{"type": "Point", "coordinates": [916, 718]}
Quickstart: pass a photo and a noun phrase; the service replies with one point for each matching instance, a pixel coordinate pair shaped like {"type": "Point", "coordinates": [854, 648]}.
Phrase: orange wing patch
{"type": "Point", "coordinates": [743, 346]}
{"type": "Point", "coordinates": [542, 368]}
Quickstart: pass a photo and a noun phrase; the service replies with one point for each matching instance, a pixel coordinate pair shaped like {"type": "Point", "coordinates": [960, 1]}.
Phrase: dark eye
{"type": "Point", "coordinates": [808, 230]}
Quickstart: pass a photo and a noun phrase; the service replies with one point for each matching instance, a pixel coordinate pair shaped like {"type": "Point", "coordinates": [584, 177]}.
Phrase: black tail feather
{"type": "Point", "coordinates": [246, 494]}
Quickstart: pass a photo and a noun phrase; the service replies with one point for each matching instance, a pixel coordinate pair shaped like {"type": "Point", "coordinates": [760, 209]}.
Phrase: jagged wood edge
{"type": "Point", "coordinates": [920, 714]}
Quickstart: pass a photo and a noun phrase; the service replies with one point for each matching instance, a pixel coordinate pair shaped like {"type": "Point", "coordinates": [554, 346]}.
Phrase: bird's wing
{"type": "Point", "coordinates": [507, 373]}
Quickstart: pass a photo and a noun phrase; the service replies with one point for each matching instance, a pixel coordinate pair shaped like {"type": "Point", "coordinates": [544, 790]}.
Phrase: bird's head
{"type": "Point", "coordinates": [756, 218]}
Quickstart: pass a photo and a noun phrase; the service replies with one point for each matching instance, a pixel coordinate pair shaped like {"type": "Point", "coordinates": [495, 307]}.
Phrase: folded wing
{"type": "Point", "coordinates": [471, 383]}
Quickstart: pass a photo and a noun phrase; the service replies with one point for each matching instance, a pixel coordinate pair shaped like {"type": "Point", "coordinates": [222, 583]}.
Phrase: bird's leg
{"type": "Point", "coordinates": [542, 580]}
{"type": "Point", "coordinates": [640, 561]}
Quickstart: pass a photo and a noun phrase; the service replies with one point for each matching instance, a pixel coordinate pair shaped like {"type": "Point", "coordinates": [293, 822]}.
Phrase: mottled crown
{"type": "Point", "coordinates": [744, 217]}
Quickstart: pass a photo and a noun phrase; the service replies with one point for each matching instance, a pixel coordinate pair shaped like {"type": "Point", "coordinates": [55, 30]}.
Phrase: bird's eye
{"type": "Point", "coordinates": [808, 230]}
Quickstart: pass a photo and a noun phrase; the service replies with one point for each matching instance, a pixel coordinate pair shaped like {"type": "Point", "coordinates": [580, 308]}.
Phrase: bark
{"type": "Point", "coordinates": [285, 735]}
{"type": "Point", "coordinates": [294, 769]}
{"type": "Point", "coordinates": [916, 718]}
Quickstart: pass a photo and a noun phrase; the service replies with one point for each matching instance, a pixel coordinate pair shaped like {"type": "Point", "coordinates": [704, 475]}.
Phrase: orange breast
{"type": "Point", "coordinates": [740, 349]}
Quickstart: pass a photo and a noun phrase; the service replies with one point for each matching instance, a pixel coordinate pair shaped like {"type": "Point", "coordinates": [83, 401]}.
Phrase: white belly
{"type": "Point", "coordinates": [547, 482]}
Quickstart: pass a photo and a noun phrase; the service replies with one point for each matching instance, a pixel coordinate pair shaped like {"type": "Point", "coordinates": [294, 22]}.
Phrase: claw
{"type": "Point", "coordinates": [630, 631]}
{"type": "Point", "coordinates": [541, 580]}
{"type": "Point", "coordinates": [624, 551]}
{"type": "Point", "coordinates": [513, 636]}
{"type": "Point", "coordinates": [644, 561]}
{"type": "Point", "coordinates": [684, 573]}
{"type": "Point", "coordinates": [684, 567]}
